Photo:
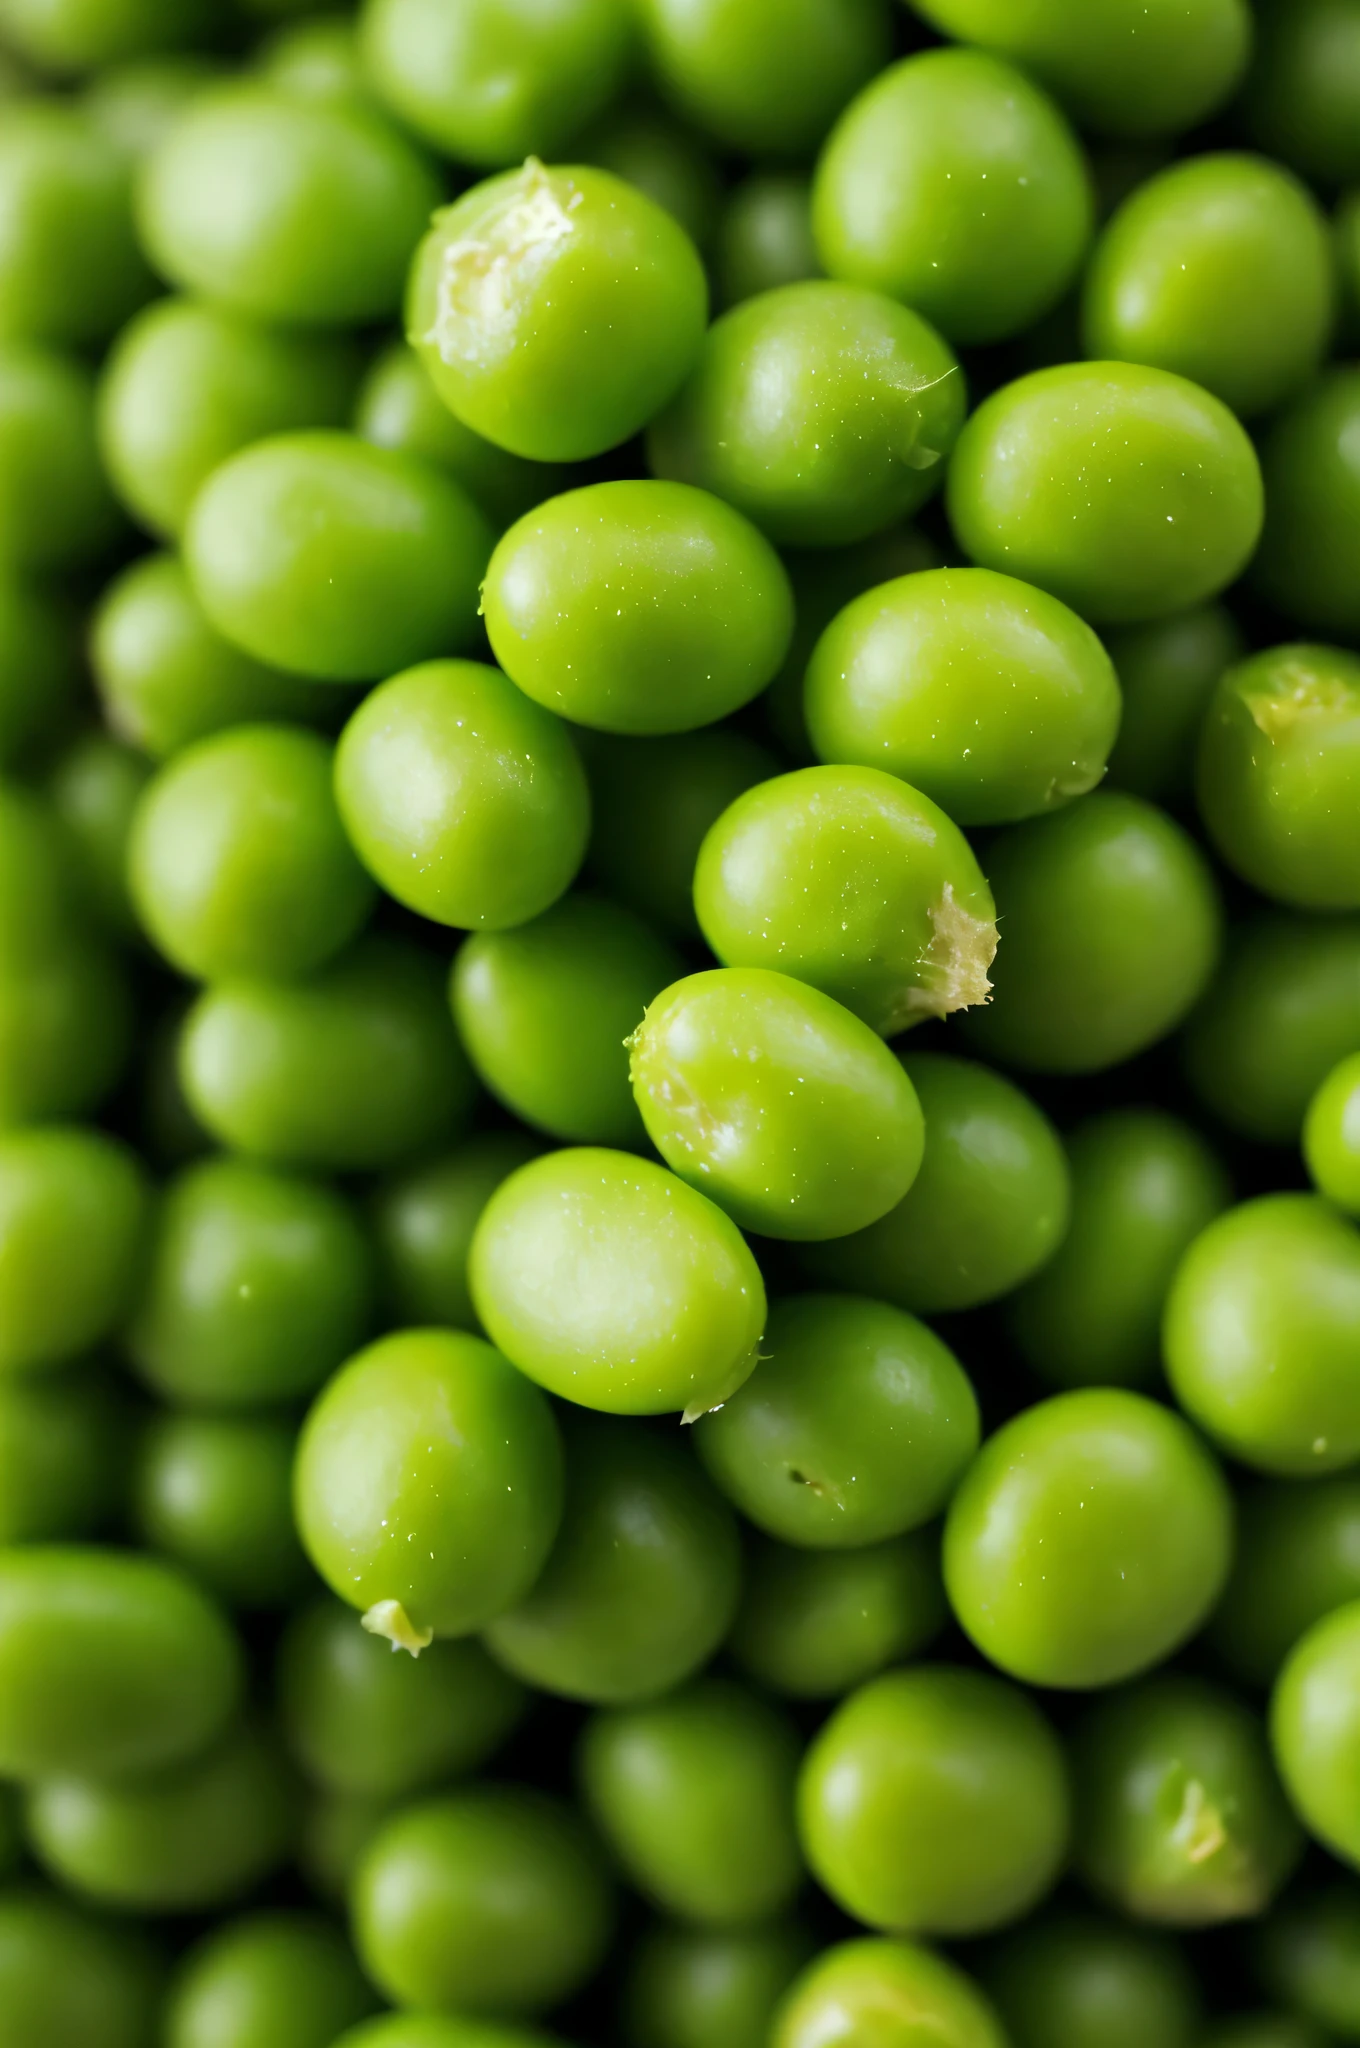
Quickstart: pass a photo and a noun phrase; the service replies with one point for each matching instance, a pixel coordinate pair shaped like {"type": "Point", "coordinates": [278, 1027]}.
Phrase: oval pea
{"type": "Point", "coordinates": [67, 1974]}
{"type": "Point", "coordinates": [895, 1988]}
{"type": "Point", "coordinates": [423, 1223]}
{"type": "Point", "coordinates": [267, 1980]}
{"type": "Point", "coordinates": [701, 1987]}
{"type": "Point", "coordinates": [1078, 1979]}
{"type": "Point", "coordinates": [214, 1492]}
{"type": "Point", "coordinates": [73, 1217]}
{"type": "Point", "coordinates": [813, 1624]}
{"type": "Point", "coordinates": [1312, 479]}
{"type": "Point", "coordinates": [64, 1438]}
{"type": "Point", "coordinates": [56, 509]}
{"type": "Point", "coordinates": [70, 269]}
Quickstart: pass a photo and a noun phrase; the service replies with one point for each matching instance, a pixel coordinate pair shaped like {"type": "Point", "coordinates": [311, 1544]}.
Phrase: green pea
{"type": "Point", "coordinates": [40, 679]}
{"type": "Point", "coordinates": [166, 678]}
{"type": "Point", "coordinates": [214, 1492]}
{"type": "Point", "coordinates": [1124, 67]}
{"type": "Point", "coordinates": [556, 310]}
{"type": "Point", "coordinates": [189, 1840]}
{"type": "Point", "coordinates": [95, 788]}
{"type": "Point", "coordinates": [765, 77]}
{"type": "Point", "coordinates": [40, 897]}
{"type": "Point", "coordinates": [765, 236]}
{"type": "Point", "coordinates": [664, 159]}
{"type": "Point", "coordinates": [113, 1663]}
{"type": "Point", "coordinates": [1113, 928]}
{"type": "Point", "coordinates": [1312, 476]}
{"type": "Point", "coordinates": [1075, 1979]}
{"type": "Point", "coordinates": [815, 1623]}
{"type": "Point", "coordinates": [1180, 1818]}
{"type": "Point", "coordinates": [267, 1980]}
{"type": "Point", "coordinates": [935, 1801]}
{"type": "Point", "coordinates": [81, 35]}
{"type": "Point", "coordinates": [68, 1976]}
{"type": "Point", "coordinates": [288, 210]}
{"type": "Point", "coordinates": [1331, 1141]}
{"type": "Point", "coordinates": [694, 1795]}
{"type": "Point", "coordinates": [1303, 92]}
{"type": "Point", "coordinates": [1091, 1537]}
{"type": "Point", "coordinates": [616, 1286]}
{"type": "Point", "coordinates": [423, 1222]}
{"type": "Point", "coordinates": [1315, 1730]}
{"type": "Point", "coordinates": [1144, 1185]}
{"type": "Point", "coordinates": [653, 801]}
{"type": "Point", "coordinates": [186, 386]}
{"type": "Point", "coordinates": [440, 2030]}
{"type": "Point", "coordinates": [643, 1582]}
{"type": "Point", "coordinates": [1310, 1956]}
{"type": "Point", "coordinates": [953, 184]}
{"type": "Point", "coordinates": [855, 1427]}
{"type": "Point", "coordinates": [56, 510]}
{"type": "Point", "coordinates": [134, 103]}
{"type": "Point", "coordinates": [317, 59]}
{"type": "Point", "coordinates": [1166, 673]}
{"type": "Point", "coordinates": [504, 815]}
{"type": "Point", "coordinates": [988, 695]}
{"type": "Point", "coordinates": [903, 1995]}
{"type": "Point", "coordinates": [337, 1828]}
{"type": "Point", "coordinates": [493, 1901]}
{"type": "Point", "coordinates": [73, 1213]}
{"type": "Point", "coordinates": [357, 1067]}
{"type": "Point", "coordinates": [490, 83]}
{"type": "Point", "coordinates": [701, 1987]}
{"type": "Point", "coordinates": [70, 268]}
{"type": "Point", "coordinates": [370, 1725]}
{"type": "Point", "coordinates": [63, 1444]}
{"type": "Point", "coordinates": [1298, 1558]}
{"type": "Point", "coordinates": [822, 411]}
{"type": "Point", "coordinates": [65, 1033]}
{"type": "Point", "coordinates": [850, 880]}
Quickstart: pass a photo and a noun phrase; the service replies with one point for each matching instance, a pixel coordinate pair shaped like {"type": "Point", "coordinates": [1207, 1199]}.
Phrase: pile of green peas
{"type": "Point", "coordinates": [679, 1024]}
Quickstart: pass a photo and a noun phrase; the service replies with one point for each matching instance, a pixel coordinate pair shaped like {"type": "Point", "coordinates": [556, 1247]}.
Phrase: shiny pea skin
{"type": "Point", "coordinates": [545, 1011]}
{"type": "Point", "coordinates": [1078, 1979]}
{"type": "Point", "coordinates": [113, 1663]}
{"type": "Point", "coordinates": [988, 1208]}
{"type": "Point", "coordinates": [813, 1624]}
{"type": "Point", "coordinates": [442, 2030]}
{"type": "Point", "coordinates": [70, 268]}
{"type": "Point", "coordinates": [1331, 1137]}
{"type": "Point", "coordinates": [64, 1438]}
{"type": "Point", "coordinates": [1315, 1730]}
{"type": "Point", "coordinates": [855, 1426]}
{"type": "Point", "coordinates": [908, 1996]}
{"type": "Point", "coordinates": [935, 1801]}
{"type": "Point", "coordinates": [73, 1221]}
{"type": "Point", "coordinates": [822, 411]}
{"type": "Point", "coordinates": [1127, 492]}
{"type": "Point", "coordinates": [556, 309]}
{"type": "Point", "coordinates": [699, 1987]}
{"type": "Point", "coordinates": [214, 1492]}
{"type": "Point", "coordinates": [505, 816]}
{"type": "Point", "coordinates": [95, 788]}
{"type": "Point", "coordinates": [1312, 476]}
{"type": "Point", "coordinates": [1144, 1185]}
{"type": "Point", "coordinates": [428, 1485]}
{"type": "Point", "coordinates": [765, 236]}
{"type": "Point", "coordinates": [983, 692]}
{"type": "Point", "coordinates": [423, 1221]}
{"type": "Point", "coordinates": [615, 1285]}
{"type": "Point", "coordinates": [781, 1105]}
{"type": "Point", "coordinates": [694, 1795]}
{"type": "Point", "coordinates": [1308, 1956]}
{"type": "Point", "coordinates": [643, 1581]}
{"type": "Point", "coordinates": [1298, 1559]}
{"type": "Point", "coordinates": [1166, 673]}
{"type": "Point", "coordinates": [267, 1980]}
{"type": "Point", "coordinates": [69, 1975]}
{"type": "Point", "coordinates": [1303, 91]}
{"type": "Point", "coordinates": [56, 508]}
{"type": "Point", "coordinates": [1091, 1537]}
{"type": "Point", "coordinates": [848, 879]}
{"type": "Point", "coordinates": [327, 556]}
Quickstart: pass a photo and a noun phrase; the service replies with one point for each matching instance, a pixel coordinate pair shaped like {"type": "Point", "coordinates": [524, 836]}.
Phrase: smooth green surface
{"type": "Point", "coordinates": [1166, 673]}
{"type": "Point", "coordinates": [214, 1492]}
{"type": "Point", "coordinates": [1298, 1558]}
{"type": "Point", "coordinates": [903, 1995]}
{"type": "Point", "coordinates": [70, 268]}
{"type": "Point", "coordinates": [135, 102]}
{"type": "Point", "coordinates": [1315, 1730]}
{"type": "Point", "coordinates": [316, 59]}
{"type": "Point", "coordinates": [39, 668]}
{"type": "Point", "coordinates": [646, 147]}
{"type": "Point", "coordinates": [1331, 1136]}
{"type": "Point", "coordinates": [423, 1221]}
{"type": "Point", "coordinates": [267, 1980]}
{"type": "Point", "coordinates": [67, 1975]}
{"type": "Point", "coordinates": [764, 237]}
{"type": "Point", "coordinates": [815, 1623]}
{"type": "Point", "coordinates": [95, 788]}
{"type": "Point", "coordinates": [699, 1987]}
{"type": "Point", "coordinates": [1310, 459]}
{"type": "Point", "coordinates": [1303, 92]}
{"type": "Point", "coordinates": [73, 1216]}
{"type": "Point", "coordinates": [56, 508]}
{"type": "Point", "coordinates": [1076, 1979]}
{"type": "Point", "coordinates": [1310, 1955]}
{"type": "Point", "coordinates": [78, 35]}
{"type": "Point", "coordinates": [63, 1444]}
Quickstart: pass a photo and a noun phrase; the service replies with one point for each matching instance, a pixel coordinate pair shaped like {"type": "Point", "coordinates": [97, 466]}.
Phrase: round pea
{"type": "Point", "coordinates": [1298, 1558]}
{"type": "Point", "coordinates": [56, 509]}
{"type": "Point", "coordinates": [492, 1901]}
{"type": "Point", "coordinates": [1315, 1730]}
{"type": "Point", "coordinates": [81, 35]}
{"type": "Point", "coordinates": [815, 1623]}
{"type": "Point", "coordinates": [935, 1801]}
{"type": "Point", "coordinates": [616, 1286]}
{"type": "Point", "coordinates": [428, 1487]}
{"type": "Point", "coordinates": [317, 59]}
{"type": "Point", "coordinates": [906, 1996]}
{"type": "Point", "coordinates": [65, 1032]}
{"type": "Point", "coordinates": [700, 1987]}
{"type": "Point", "coordinates": [1311, 464]}
{"type": "Point", "coordinates": [556, 310]}
{"type": "Point", "coordinates": [1144, 1185]}
{"type": "Point", "coordinates": [666, 160]}
{"type": "Point", "coordinates": [267, 1980]}
{"type": "Point", "coordinates": [765, 236]}
{"type": "Point", "coordinates": [1112, 930]}
{"type": "Point", "coordinates": [1166, 673]}
{"type": "Point", "coordinates": [988, 695]}
{"type": "Point", "coordinates": [423, 1221]}
{"type": "Point", "coordinates": [63, 1454]}
{"type": "Point", "coordinates": [69, 1976]}
{"type": "Point", "coordinates": [1302, 98]}
{"type": "Point", "coordinates": [441, 2030]}
{"type": "Point", "coordinates": [73, 1217]}
{"type": "Point", "coordinates": [95, 788]}
{"type": "Point", "coordinates": [856, 1425]}
{"type": "Point", "coordinates": [822, 411]}
{"type": "Point", "coordinates": [1090, 1537]}
{"type": "Point", "coordinates": [214, 1492]}
{"type": "Point", "coordinates": [40, 899]}
{"type": "Point", "coordinates": [848, 879]}
{"type": "Point", "coordinates": [988, 1208]}
{"type": "Point", "coordinates": [356, 1067]}
{"type": "Point", "coordinates": [1075, 1979]}
{"type": "Point", "coordinates": [134, 103]}
{"type": "Point", "coordinates": [294, 211]}
{"type": "Point", "coordinates": [643, 1582]}
{"type": "Point", "coordinates": [70, 268]}
{"type": "Point", "coordinates": [504, 815]}
{"type": "Point", "coordinates": [39, 670]}
{"type": "Point", "coordinates": [1331, 1139]}
{"type": "Point", "coordinates": [337, 1828]}
{"type": "Point", "coordinates": [1309, 1956]}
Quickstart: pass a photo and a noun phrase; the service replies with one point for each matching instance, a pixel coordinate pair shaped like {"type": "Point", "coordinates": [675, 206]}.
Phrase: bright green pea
{"type": "Point", "coordinates": [441, 2030]}
{"type": "Point", "coordinates": [67, 1976]}
{"type": "Point", "coordinates": [267, 1980]}
{"type": "Point", "coordinates": [356, 1067]}
{"type": "Point", "coordinates": [556, 310]}
{"type": "Point", "coordinates": [1315, 1730]}
{"type": "Point", "coordinates": [765, 236]}
{"type": "Point", "coordinates": [1144, 1185]}
{"type": "Point", "coordinates": [1075, 1979]}
{"type": "Point", "coordinates": [423, 1223]}
{"type": "Point", "coordinates": [816, 1623]}
{"type": "Point", "coordinates": [492, 1901]}
{"type": "Point", "coordinates": [186, 386]}
{"type": "Point", "coordinates": [783, 1107]}
{"type": "Point", "coordinates": [694, 1796]}
{"type": "Point", "coordinates": [1127, 492]}
{"type": "Point", "coordinates": [189, 1840]}
{"type": "Point", "coordinates": [73, 1216]}
{"type": "Point", "coordinates": [616, 1286]}
{"type": "Point", "coordinates": [504, 815]}
{"type": "Point", "coordinates": [490, 82]}
{"type": "Point", "coordinates": [894, 1992]}
{"type": "Point", "coordinates": [95, 788]}
{"type": "Point", "coordinates": [288, 210]}
{"type": "Point", "coordinates": [1311, 463]}
{"type": "Point", "coordinates": [1219, 268]}
{"type": "Point", "coordinates": [1302, 99]}
{"type": "Point", "coordinates": [81, 35]}
{"type": "Point", "coordinates": [1309, 1952]}
{"type": "Point", "coordinates": [1090, 1537]}
{"type": "Point", "coordinates": [988, 695]}
{"type": "Point", "coordinates": [1180, 1818]}
{"type": "Point", "coordinates": [70, 268]}
{"type": "Point", "coordinates": [368, 1724]}
{"type": "Point", "coordinates": [700, 1987]}
{"type": "Point", "coordinates": [848, 879]}
{"type": "Point", "coordinates": [134, 103]}
{"type": "Point", "coordinates": [642, 1584]}
{"type": "Point", "coordinates": [855, 1426]}
{"type": "Point", "coordinates": [258, 1286]}
{"type": "Point", "coordinates": [1331, 1136]}
{"type": "Point", "coordinates": [664, 159]}
{"type": "Point", "coordinates": [1166, 673]}
{"type": "Point", "coordinates": [316, 59]}
{"type": "Point", "coordinates": [428, 1486]}
{"type": "Point", "coordinates": [40, 678]}
{"type": "Point", "coordinates": [988, 1208]}
{"type": "Point", "coordinates": [953, 184]}
{"type": "Point", "coordinates": [1112, 930]}
{"type": "Point", "coordinates": [822, 411]}
{"type": "Point", "coordinates": [56, 510]}
{"type": "Point", "coordinates": [1298, 1558]}
{"type": "Point", "coordinates": [113, 1663]}
{"type": "Point", "coordinates": [935, 1801]}
{"type": "Point", "coordinates": [214, 1492]}
{"type": "Point", "coordinates": [63, 1455]}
